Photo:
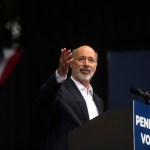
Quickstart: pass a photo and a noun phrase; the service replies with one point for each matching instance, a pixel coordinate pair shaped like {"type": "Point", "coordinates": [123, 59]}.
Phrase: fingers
{"type": "Point", "coordinates": [66, 56]}
{"type": "Point", "coordinates": [63, 51]}
{"type": "Point", "coordinates": [65, 59]}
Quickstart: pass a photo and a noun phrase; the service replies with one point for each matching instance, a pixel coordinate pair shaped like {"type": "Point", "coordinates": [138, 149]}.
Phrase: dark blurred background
{"type": "Point", "coordinates": [31, 36]}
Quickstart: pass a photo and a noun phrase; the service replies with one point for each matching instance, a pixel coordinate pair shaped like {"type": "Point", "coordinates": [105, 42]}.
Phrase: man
{"type": "Point", "coordinates": [70, 101]}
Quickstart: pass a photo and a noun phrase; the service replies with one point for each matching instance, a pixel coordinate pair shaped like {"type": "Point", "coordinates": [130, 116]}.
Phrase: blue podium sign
{"type": "Point", "coordinates": [141, 126]}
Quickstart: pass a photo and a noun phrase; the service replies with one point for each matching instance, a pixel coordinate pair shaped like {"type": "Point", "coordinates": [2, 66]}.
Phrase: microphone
{"type": "Point", "coordinates": [141, 93]}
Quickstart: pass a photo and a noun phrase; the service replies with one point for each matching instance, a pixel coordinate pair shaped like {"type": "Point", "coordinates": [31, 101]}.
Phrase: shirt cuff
{"type": "Point", "coordinates": [59, 78]}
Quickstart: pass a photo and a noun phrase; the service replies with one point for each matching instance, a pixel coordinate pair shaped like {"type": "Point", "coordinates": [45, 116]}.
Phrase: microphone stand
{"type": "Point", "coordinates": [147, 98]}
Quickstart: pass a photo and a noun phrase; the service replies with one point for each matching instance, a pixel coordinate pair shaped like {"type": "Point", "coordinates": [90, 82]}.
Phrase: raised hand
{"type": "Point", "coordinates": [64, 61]}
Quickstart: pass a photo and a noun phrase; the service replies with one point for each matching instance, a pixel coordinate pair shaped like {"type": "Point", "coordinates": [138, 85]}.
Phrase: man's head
{"type": "Point", "coordinates": [84, 64]}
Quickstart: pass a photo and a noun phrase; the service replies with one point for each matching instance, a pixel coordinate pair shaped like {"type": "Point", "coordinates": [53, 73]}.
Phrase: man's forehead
{"type": "Point", "coordinates": [86, 53]}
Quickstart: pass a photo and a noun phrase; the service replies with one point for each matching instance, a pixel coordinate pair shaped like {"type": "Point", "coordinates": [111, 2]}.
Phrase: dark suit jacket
{"type": "Point", "coordinates": [66, 108]}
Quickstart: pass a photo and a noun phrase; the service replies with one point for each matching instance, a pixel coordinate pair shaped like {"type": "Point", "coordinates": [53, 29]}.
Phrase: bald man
{"type": "Point", "coordinates": [70, 101]}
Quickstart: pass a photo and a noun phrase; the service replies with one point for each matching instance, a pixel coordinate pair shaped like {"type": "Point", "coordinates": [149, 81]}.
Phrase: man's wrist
{"type": "Point", "coordinates": [60, 78]}
{"type": "Point", "coordinates": [60, 73]}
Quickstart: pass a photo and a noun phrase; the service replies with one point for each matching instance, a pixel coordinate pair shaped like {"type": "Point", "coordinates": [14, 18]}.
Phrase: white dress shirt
{"type": "Point", "coordinates": [88, 96]}
{"type": "Point", "coordinates": [86, 93]}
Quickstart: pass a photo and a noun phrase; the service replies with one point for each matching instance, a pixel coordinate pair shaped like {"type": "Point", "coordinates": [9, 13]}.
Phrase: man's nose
{"type": "Point", "coordinates": [86, 62]}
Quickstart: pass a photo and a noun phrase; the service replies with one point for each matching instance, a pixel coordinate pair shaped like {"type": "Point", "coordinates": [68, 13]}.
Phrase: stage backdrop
{"type": "Point", "coordinates": [126, 69]}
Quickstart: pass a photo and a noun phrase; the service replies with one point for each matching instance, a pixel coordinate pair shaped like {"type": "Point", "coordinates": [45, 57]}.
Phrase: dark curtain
{"type": "Point", "coordinates": [48, 27]}
{"type": "Point", "coordinates": [17, 96]}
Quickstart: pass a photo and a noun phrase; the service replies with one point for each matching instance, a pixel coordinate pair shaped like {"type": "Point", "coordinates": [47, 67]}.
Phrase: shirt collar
{"type": "Point", "coordinates": [80, 86]}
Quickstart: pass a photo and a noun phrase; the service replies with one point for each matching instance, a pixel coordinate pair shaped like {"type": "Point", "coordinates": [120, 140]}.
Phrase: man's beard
{"type": "Point", "coordinates": [83, 77]}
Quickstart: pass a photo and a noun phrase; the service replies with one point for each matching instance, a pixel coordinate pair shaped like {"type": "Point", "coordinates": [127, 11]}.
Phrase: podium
{"type": "Point", "coordinates": [118, 129]}
{"type": "Point", "coordinates": [113, 130]}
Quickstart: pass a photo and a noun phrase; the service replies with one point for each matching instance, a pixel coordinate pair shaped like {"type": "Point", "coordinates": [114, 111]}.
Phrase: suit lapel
{"type": "Point", "coordinates": [79, 98]}
{"type": "Point", "coordinates": [97, 103]}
